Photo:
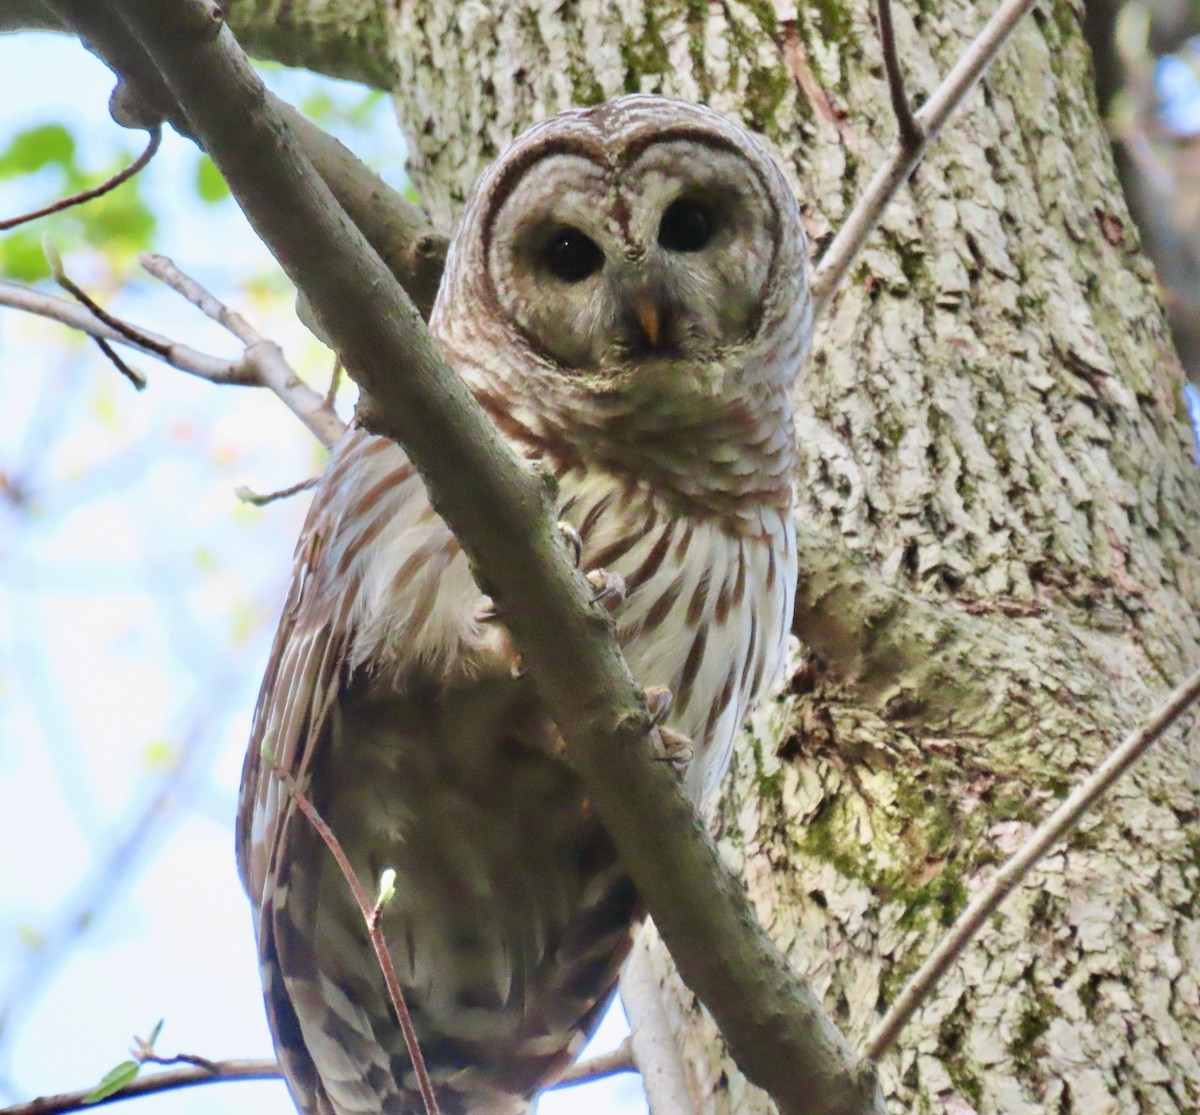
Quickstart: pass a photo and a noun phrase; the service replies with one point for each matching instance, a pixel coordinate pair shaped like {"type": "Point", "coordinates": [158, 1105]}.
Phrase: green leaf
{"type": "Point", "coordinates": [158, 755]}
{"type": "Point", "coordinates": [114, 1080]}
{"type": "Point", "coordinates": [35, 148]}
{"type": "Point", "coordinates": [210, 186]}
{"type": "Point", "coordinates": [21, 256]}
{"type": "Point", "coordinates": [318, 106]}
{"type": "Point", "coordinates": [31, 938]}
{"type": "Point", "coordinates": [155, 1032]}
{"type": "Point", "coordinates": [119, 221]}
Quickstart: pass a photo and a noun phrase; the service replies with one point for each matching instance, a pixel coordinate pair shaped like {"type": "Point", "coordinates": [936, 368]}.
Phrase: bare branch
{"type": "Point", "coordinates": [655, 1050]}
{"type": "Point", "coordinates": [899, 164]}
{"type": "Point", "coordinates": [135, 377]}
{"type": "Point", "coordinates": [371, 916]}
{"type": "Point", "coordinates": [185, 359]}
{"type": "Point", "coordinates": [262, 365]}
{"type": "Point", "coordinates": [597, 1068]}
{"type": "Point", "coordinates": [335, 381]}
{"type": "Point", "coordinates": [127, 332]}
{"type": "Point", "coordinates": [1048, 833]}
{"type": "Point", "coordinates": [164, 269]}
{"type": "Point", "coordinates": [148, 1085]}
{"type": "Point", "coordinates": [910, 133]}
{"type": "Point", "coordinates": [247, 495]}
{"type": "Point", "coordinates": [265, 358]}
{"type": "Point", "coordinates": [96, 191]}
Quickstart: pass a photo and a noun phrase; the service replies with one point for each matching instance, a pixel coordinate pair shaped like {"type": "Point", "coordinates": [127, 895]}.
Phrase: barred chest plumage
{"type": "Point", "coordinates": [706, 612]}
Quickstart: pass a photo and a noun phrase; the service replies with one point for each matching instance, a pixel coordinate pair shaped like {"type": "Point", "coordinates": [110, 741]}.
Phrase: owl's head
{"type": "Point", "coordinates": [642, 232]}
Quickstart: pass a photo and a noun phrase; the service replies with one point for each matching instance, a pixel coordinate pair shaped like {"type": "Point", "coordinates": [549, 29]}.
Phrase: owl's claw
{"type": "Point", "coordinates": [658, 702]}
{"type": "Point", "coordinates": [486, 610]}
{"type": "Point", "coordinates": [677, 748]}
{"type": "Point", "coordinates": [499, 640]}
{"type": "Point", "coordinates": [574, 543]}
{"type": "Point", "coordinates": [609, 587]}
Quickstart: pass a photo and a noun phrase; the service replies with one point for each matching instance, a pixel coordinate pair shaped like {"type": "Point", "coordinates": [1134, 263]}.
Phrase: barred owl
{"type": "Point", "coordinates": [627, 297]}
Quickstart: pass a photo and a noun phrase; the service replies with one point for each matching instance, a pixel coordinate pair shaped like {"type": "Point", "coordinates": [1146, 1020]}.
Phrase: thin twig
{"type": "Point", "coordinates": [371, 912]}
{"type": "Point", "coordinates": [335, 381]}
{"type": "Point", "coordinates": [167, 271]}
{"type": "Point", "coordinates": [178, 1059]}
{"type": "Point", "coordinates": [910, 134]}
{"type": "Point", "coordinates": [247, 495]}
{"type": "Point", "coordinates": [1048, 833]}
{"type": "Point", "coordinates": [262, 365]}
{"type": "Point", "coordinates": [96, 191]}
{"type": "Point", "coordinates": [201, 1070]}
{"type": "Point", "coordinates": [930, 119]}
{"type": "Point", "coordinates": [597, 1068]}
{"type": "Point", "coordinates": [216, 369]}
{"type": "Point", "coordinates": [127, 332]}
{"type": "Point", "coordinates": [132, 374]}
{"type": "Point", "coordinates": [271, 368]}
{"type": "Point", "coordinates": [148, 1085]}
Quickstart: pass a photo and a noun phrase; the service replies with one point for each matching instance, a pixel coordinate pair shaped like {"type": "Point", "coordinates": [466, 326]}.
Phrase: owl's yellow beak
{"type": "Point", "coordinates": [648, 316]}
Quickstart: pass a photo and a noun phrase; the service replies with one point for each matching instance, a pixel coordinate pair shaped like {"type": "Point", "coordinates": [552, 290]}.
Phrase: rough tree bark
{"type": "Point", "coordinates": [991, 421]}
{"type": "Point", "coordinates": [995, 454]}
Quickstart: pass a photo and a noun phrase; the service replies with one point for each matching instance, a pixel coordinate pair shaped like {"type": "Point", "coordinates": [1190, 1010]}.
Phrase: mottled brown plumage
{"type": "Point", "coordinates": [627, 296]}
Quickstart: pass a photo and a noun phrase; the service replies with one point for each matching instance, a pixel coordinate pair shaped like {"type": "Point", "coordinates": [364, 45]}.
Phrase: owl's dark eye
{"type": "Point", "coordinates": [571, 256]}
{"type": "Point", "coordinates": [687, 226]}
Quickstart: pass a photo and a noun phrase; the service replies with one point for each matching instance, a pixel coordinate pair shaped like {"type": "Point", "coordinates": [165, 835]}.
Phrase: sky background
{"type": "Point", "coordinates": [138, 597]}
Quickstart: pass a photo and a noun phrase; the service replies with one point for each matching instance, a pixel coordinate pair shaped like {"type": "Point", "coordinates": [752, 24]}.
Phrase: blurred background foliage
{"type": "Point", "coordinates": [1147, 61]}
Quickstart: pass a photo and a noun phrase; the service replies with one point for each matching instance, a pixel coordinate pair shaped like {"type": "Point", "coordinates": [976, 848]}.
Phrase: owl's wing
{"type": "Point", "coordinates": [373, 559]}
{"type": "Point", "coordinates": [396, 712]}
{"type": "Point", "coordinates": [369, 498]}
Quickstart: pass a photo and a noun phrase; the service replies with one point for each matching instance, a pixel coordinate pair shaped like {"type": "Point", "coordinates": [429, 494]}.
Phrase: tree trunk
{"type": "Point", "coordinates": [1000, 498]}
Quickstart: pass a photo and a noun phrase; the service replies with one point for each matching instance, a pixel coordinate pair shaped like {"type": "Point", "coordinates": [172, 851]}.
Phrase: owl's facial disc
{"type": "Point", "coordinates": [662, 260]}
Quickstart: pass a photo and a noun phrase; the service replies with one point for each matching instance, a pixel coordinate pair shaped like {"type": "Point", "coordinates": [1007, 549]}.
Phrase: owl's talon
{"type": "Point", "coordinates": [486, 610]}
{"type": "Point", "coordinates": [677, 749]}
{"type": "Point", "coordinates": [609, 587]}
{"type": "Point", "coordinates": [658, 702]}
{"type": "Point", "coordinates": [574, 543]}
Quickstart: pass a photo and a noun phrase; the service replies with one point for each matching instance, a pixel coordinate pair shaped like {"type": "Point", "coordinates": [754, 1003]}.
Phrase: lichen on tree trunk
{"type": "Point", "coordinates": [991, 427]}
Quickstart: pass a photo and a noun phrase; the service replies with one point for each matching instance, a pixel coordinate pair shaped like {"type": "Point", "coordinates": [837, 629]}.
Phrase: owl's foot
{"type": "Point", "coordinates": [677, 748]}
{"type": "Point", "coordinates": [609, 587]}
{"type": "Point", "coordinates": [573, 542]}
{"type": "Point", "coordinates": [497, 646]}
{"type": "Point", "coordinates": [486, 611]}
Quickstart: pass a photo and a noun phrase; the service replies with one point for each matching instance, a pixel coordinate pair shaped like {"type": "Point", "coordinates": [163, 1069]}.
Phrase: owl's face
{"type": "Point", "coordinates": [615, 253]}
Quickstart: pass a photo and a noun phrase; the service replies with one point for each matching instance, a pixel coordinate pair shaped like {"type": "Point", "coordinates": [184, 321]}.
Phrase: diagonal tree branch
{"type": "Point", "coordinates": [1013, 873]}
{"type": "Point", "coordinates": [506, 521]}
{"type": "Point", "coordinates": [171, 1080]}
{"type": "Point", "coordinates": [412, 248]}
